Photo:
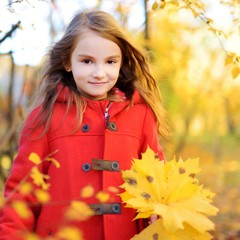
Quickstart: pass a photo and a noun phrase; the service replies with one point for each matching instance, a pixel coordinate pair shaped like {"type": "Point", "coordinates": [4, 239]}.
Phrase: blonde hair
{"type": "Point", "coordinates": [134, 74]}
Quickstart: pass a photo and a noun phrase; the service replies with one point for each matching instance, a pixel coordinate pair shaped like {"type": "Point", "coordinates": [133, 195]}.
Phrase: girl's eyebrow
{"type": "Point", "coordinates": [115, 56]}
{"type": "Point", "coordinates": [84, 55]}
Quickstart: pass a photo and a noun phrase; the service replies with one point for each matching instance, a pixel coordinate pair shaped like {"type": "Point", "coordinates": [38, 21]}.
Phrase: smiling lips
{"type": "Point", "coordinates": [97, 83]}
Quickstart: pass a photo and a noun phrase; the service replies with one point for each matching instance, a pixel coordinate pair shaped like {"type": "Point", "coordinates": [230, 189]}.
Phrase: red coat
{"type": "Point", "coordinates": [136, 128]}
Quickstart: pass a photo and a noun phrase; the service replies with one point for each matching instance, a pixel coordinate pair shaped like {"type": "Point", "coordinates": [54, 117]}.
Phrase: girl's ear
{"type": "Point", "coordinates": [67, 67]}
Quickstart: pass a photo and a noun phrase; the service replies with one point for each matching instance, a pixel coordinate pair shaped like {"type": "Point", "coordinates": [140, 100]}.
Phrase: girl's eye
{"type": "Point", "coordinates": [86, 61]}
{"type": "Point", "coordinates": [111, 61]}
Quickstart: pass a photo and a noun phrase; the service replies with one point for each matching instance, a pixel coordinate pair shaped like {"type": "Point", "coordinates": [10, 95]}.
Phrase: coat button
{"type": "Point", "coordinates": [112, 126]}
{"type": "Point", "coordinates": [86, 167]}
{"type": "Point", "coordinates": [85, 128]}
{"type": "Point", "coordinates": [116, 208]}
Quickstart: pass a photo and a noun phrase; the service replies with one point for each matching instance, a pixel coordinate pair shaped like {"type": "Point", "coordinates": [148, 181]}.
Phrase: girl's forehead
{"type": "Point", "coordinates": [95, 44]}
{"type": "Point", "coordinates": [90, 36]}
{"type": "Point", "coordinates": [88, 33]}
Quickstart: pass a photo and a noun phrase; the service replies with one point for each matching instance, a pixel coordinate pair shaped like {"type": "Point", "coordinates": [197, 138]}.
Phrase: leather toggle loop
{"type": "Point", "coordinates": [106, 208]}
{"type": "Point", "coordinates": [99, 164]}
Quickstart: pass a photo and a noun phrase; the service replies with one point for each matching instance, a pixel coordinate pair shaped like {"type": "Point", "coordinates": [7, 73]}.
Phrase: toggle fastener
{"type": "Point", "coordinates": [99, 164]}
{"type": "Point", "coordinates": [106, 208]}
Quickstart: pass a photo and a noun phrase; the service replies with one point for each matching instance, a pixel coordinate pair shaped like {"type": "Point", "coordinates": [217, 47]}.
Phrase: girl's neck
{"type": "Point", "coordinates": [94, 98]}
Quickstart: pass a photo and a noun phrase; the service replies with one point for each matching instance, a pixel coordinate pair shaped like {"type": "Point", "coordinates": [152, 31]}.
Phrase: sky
{"type": "Point", "coordinates": [31, 42]}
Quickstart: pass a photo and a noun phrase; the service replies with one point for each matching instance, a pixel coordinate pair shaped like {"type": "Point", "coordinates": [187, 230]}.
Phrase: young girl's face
{"type": "Point", "coordinates": [95, 65]}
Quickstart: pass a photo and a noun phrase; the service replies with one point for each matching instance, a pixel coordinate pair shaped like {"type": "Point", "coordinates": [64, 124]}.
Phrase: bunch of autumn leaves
{"type": "Point", "coordinates": [169, 190]}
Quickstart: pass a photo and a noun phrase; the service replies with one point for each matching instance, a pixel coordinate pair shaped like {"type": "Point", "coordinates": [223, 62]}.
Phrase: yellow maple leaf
{"type": "Point", "coordinates": [25, 188]}
{"type": "Point", "coordinates": [155, 6]}
{"type": "Point", "coordinates": [22, 209]}
{"type": "Point", "coordinates": [190, 166]}
{"type": "Point", "coordinates": [157, 231]}
{"type": "Point", "coordinates": [145, 166]}
{"type": "Point", "coordinates": [42, 195]}
{"type": "Point", "coordinates": [194, 12]}
{"type": "Point", "coordinates": [229, 59]}
{"type": "Point", "coordinates": [54, 161]}
{"type": "Point", "coordinates": [30, 236]}
{"type": "Point", "coordinates": [78, 211]}
{"type": "Point", "coordinates": [33, 157]}
{"type": "Point", "coordinates": [205, 194]}
{"type": "Point", "coordinates": [69, 233]}
{"type": "Point", "coordinates": [235, 72]}
{"type": "Point", "coordinates": [113, 189]}
{"type": "Point", "coordinates": [126, 197]}
{"type": "Point", "coordinates": [102, 196]}
{"type": "Point", "coordinates": [175, 214]}
{"type": "Point", "coordinates": [87, 191]}
{"type": "Point", "coordinates": [39, 179]}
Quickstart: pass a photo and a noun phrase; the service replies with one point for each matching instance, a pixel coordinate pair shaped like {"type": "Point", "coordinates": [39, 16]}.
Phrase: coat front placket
{"type": "Point", "coordinates": [116, 150]}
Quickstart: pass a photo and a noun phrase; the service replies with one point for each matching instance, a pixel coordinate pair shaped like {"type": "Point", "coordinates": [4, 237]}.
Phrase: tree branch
{"type": "Point", "coordinates": [9, 34]}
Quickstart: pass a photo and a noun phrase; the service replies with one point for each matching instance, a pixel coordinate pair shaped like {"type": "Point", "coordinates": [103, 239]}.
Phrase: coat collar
{"type": "Point", "coordinates": [64, 93]}
{"type": "Point", "coordinates": [101, 105]}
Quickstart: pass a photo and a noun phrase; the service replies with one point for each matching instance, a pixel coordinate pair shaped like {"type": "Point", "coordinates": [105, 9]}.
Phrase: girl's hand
{"type": "Point", "coordinates": [153, 218]}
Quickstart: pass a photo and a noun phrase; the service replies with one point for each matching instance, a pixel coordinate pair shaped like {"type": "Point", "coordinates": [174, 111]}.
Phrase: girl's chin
{"type": "Point", "coordinates": [96, 97]}
{"type": "Point", "coordinates": [93, 95]}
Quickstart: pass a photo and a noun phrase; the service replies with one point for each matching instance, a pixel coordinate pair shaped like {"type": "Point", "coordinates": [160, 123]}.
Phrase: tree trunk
{"type": "Point", "coordinates": [146, 25]}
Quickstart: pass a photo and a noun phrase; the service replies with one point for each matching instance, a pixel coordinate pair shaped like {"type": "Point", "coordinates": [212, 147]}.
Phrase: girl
{"type": "Point", "coordinates": [98, 108]}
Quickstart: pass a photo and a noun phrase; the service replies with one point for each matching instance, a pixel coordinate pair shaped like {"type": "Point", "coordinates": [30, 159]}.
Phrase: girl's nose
{"type": "Point", "coordinates": [99, 72]}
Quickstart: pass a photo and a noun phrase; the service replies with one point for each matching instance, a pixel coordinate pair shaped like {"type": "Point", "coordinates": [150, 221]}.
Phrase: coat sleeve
{"type": "Point", "coordinates": [11, 224]}
{"type": "Point", "coordinates": [150, 135]}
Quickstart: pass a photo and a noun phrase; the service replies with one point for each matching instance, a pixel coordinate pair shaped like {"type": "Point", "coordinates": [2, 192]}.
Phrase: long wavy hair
{"type": "Point", "coordinates": [134, 74]}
